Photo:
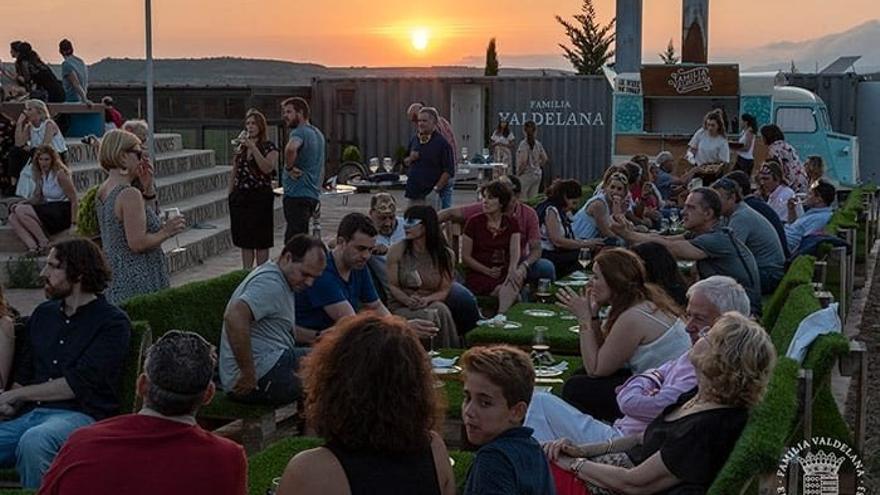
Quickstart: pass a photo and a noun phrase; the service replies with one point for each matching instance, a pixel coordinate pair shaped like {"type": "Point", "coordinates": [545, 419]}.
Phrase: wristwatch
{"type": "Point", "coordinates": [577, 465]}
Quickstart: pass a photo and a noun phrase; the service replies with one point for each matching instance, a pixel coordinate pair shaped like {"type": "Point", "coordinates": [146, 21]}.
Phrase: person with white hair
{"type": "Point", "coordinates": [644, 396]}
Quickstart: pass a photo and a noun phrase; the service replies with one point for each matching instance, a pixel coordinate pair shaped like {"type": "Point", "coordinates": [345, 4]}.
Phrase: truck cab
{"type": "Point", "coordinates": [803, 117]}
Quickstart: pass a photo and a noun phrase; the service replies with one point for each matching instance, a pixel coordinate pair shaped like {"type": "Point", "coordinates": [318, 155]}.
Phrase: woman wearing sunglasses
{"type": "Point", "coordinates": [131, 234]}
{"type": "Point", "coordinates": [420, 273]}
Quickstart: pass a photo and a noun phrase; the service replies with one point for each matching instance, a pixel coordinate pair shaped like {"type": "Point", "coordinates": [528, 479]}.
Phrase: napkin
{"type": "Point", "coordinates": [560, 366]}
{"type": "Point", "coordinates": [496, 321]}
{"type": "Point", "coordinates": [440, 362]}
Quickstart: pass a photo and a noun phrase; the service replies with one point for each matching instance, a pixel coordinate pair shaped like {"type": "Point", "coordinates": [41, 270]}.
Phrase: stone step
{"type": "Point", "coordinates": [181, 187]}
{"type": "Point", "coordinates": [204, 239]}
{"type": "Point", "coordinates": [79, 153]}
{"type": "Point", "coordinates": [86, 175]}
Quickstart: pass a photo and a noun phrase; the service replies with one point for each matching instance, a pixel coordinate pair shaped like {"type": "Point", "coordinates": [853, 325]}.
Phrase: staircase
{"type": "Point", "coordinates": [185, 179]}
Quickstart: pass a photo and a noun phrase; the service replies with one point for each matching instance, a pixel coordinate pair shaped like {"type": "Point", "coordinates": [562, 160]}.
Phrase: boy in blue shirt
{"type": "Point", "coordinates": [498, 385]}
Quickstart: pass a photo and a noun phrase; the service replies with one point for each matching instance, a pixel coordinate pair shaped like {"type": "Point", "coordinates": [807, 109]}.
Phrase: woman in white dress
{"type": "Point", "coordinates": [502, 143]}
{"type": "Point", "coordinates": [709, 143]}
{"type": "Point", "coordinates": [530, 161]}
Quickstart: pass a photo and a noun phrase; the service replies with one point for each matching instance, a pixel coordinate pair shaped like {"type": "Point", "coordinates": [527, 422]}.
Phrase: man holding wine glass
{"type": "Point", "coordinates": [431, 162]}
{"type": "Point", "coordinates": [445, 130]}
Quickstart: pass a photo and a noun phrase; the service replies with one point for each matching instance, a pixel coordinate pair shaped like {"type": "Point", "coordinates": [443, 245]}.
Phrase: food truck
{"type": "Point", "coordinates": [660, 107]}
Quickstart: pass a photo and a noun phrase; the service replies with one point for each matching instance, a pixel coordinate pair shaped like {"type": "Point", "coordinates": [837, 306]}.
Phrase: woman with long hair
{"type": "Point", "coordinates": [53, 206]}
{"type": "Point", "coordinates": [131, 234]}
{"type": "Point", "coordinates": [502, 142]}
{"type": "Point", "coordinates": [530, 161]}
{"type": "Point", "coordinates": [420, 273]}
{"type": "Point", "coordinates": [814, 167]}
{"type": "Point", "coordinates": [33, 128]}
{"type": "Point", "coordinates": [490, 247]}
{"type": "Point", "coordinates": [779, 150]}
{"type": "Point", "coordinates": [34, 75]}
{"type": "Point", "coordinates": [733, 364]}
{"type": "Point", "coordinates": [662, 270]}
{"type": "Point", "coordinates": [643, 330]}
{"type": "Point", "coordinates": [370, 395]}
{"type": "Point", "coordinates": [251, 201]}
{"type": "Point", "coordinates": [558, 241]}
{"type": "Point", "coordinates": [709, 144]}
{"type": "Point", "coordinates": [745, 156]}
{"type": "Point", "coordinates": [593, 220]}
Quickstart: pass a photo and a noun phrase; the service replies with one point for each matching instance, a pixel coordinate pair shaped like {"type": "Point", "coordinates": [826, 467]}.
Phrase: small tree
{"type": "Point", "coordinates": [491, 59]}
{"type": "Point", "coordinates": [669, 57]}
{"type": "Point", "coordinates": [591, 41]}
{"type": "Point", "coordinates": [793, 68]}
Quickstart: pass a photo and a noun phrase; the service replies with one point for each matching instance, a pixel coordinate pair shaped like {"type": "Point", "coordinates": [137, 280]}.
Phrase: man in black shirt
{"type": "Point", "coordinates": [70, 373]}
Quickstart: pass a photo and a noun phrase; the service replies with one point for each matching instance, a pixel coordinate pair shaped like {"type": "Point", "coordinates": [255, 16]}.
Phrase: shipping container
{"type": "Point", "coordinates": [572, 114]}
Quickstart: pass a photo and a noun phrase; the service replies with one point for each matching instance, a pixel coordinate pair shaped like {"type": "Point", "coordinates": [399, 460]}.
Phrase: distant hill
{"type": "Point", "coordinates": [253, 72]}
{"type": "Point", "coordinates": [863, 40]}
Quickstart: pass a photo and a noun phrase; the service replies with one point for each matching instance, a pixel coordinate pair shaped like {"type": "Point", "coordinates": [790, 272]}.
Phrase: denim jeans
{"type": "Point", "coordinates": [280, 385]}
{"type": "Point", "coordinates": [463, 305]}
{"type": "Point", "coordinates": [31, 441]}
{"type": "Point", "coordinates": [446, 196]}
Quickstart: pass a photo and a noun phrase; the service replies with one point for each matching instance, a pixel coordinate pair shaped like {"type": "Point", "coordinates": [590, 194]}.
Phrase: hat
{"type": "Point", "coordinates": [107, 100]}
{"type": "Point", "coordinates": [383, 204]}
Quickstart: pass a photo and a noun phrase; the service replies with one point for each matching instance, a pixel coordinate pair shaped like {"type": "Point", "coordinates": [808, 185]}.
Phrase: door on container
{"type": "Point", "coordinates": [467, 118]}
{"type": "Point", "coordinates": [867, 125]}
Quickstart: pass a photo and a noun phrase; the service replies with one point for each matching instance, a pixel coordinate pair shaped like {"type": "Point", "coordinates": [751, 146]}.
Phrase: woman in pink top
{"type": "Point", "coordinates": [778, 149]}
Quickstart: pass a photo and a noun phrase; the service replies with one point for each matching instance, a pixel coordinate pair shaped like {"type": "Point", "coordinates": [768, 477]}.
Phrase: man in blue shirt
{"type": "Point", "coordinates": [346, 287]}
{"type": "Point", "coordinates": [303, 173]}
{"type": "Point", "coordinates": [433, 165]}
{"type": "Point", "coordinates": [815, 218]}
{"type": "Point", "coordinates": [72, 370]}
{"type": "Point", "coordinates": [74, 75]}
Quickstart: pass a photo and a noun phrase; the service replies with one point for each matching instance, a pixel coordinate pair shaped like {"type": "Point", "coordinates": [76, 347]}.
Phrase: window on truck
{"type": "Point", "coordinates": [796, 119]}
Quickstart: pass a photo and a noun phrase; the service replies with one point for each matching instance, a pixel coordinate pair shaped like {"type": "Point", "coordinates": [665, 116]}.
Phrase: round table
{"type": "Point", "coordinates": [481, 168]}
{"type": "Point", "coordinates": [383, 185]}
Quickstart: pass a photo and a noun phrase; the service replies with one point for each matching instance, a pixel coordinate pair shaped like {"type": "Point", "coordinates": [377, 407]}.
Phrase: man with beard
{"type": "Point", "coordinates": [303, 167]}
{"type": "Point", "coordinates": [346, 287]}
{"type": "Point", "coordinates": [258, 353]}
{"type": "Point", "coordinates": [71, 373]}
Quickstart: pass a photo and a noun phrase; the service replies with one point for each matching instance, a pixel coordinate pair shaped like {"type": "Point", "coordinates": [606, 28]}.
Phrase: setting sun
{"type": "Point", "coordinates": [419, 39]}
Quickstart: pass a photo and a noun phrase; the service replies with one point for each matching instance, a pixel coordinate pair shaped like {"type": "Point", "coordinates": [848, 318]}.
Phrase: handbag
{"type": "Point", "coordinates": [26, 186]}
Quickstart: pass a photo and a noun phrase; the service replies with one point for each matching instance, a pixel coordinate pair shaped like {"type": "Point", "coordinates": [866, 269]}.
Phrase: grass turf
{"type": "Point", "coordinates": [800, 272]}
{"type": "Point", "coordinates": [559, 338]}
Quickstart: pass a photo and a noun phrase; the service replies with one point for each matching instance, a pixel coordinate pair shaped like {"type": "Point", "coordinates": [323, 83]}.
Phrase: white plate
{"type": "Point", "coordinates": [543, 372]}
{"type": "Point", "coordinates": [568, 317]}
{"type": "Point", "coordinates": [507, 325]}
{"type": "Point", "coordinates": [447, 371]}
{"type": "Point", "coordinates": [572, 283]}
{"type": "Point", "coordinates": [539, 313]}
{"type": "Point", "coordinates": [578, 276]}
{"type": "Point", "coordinates": [575, 328]}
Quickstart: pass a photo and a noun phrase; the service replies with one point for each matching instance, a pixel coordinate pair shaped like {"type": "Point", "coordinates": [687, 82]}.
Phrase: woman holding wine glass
{"type": "Point", "coordinates": [251, 200]}
{"type": "Point", "coordinates": [643, 330]}
{"type": "Point", "coordinates": [131, 234]}
{"type": "Point", "coordinates": [420, 274]}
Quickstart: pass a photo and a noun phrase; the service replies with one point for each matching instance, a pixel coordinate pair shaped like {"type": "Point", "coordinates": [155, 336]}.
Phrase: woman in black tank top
{"type": "Point", "coordinates": [370, 395]}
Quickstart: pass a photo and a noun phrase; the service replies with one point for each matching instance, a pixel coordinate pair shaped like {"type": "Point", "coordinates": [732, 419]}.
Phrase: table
{"type": "Point", "coordinates": [383, 185]}
{"type": "Point", "coordinates": [498, 169]}
{"type": "Point", "coordinates": [453, 388]}
{"type": "Point", "coordinates": [560, 339]}
{"type": "Point", "coordinates": [342, 191]}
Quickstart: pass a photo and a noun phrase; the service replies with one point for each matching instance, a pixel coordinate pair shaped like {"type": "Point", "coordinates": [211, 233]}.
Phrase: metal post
{"type": "Point", "coordinates": [151, 121]}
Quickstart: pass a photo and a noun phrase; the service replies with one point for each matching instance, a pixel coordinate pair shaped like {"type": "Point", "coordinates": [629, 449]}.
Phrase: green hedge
{"type": "Point", "coordinates": [197, 306]}
{"type": "Point", "coordinates": [800, 272]}
{"type": "Point", "coordinates": [766, 435]}
{"type": "Point", "coordinates": [141, 339]}
{"type": "Point", "coordinates": [560, 339]}
{"type": "Point", "coordinates": [800, 303]}
{"type": "Point", "coordinates": [270, 463]}
{"type": "Point", "coordinates": [822, 356]}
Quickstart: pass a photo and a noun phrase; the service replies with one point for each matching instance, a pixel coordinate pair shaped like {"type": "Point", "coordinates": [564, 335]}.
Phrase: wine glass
{"type": "Point", "coordinates": [584, 257]}
{"type": "Point", "coordinates": [540, 354]}
{"type": "Point", "coordinates": [431, 314]}
{"type": "Point", "coordinates": [170, 214]}
{"type": "Point", "coordinates": [542, 293]}
{"type": "Point", "coordinates": [388, 164]}
{"type": "Point", "coordinates": [673, 217]}
{"type": "Point", "coordinates": [464, 155]}
{"type": "Point", "coordinates": [374, 165]}
{"type": "Point", "coordinates": [485, 154]}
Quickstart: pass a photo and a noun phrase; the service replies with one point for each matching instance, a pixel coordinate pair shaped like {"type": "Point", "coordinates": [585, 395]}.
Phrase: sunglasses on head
{"type": "Point", "coordinates": [411, 223]}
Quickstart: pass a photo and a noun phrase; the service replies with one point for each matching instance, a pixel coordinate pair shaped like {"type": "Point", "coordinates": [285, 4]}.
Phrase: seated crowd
{"type": "Point", "coordinates": [672, 362]}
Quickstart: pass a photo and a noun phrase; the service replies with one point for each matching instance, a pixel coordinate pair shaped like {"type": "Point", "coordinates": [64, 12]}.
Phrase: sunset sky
{"type": "Point", "coordinates": [385, 32]}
